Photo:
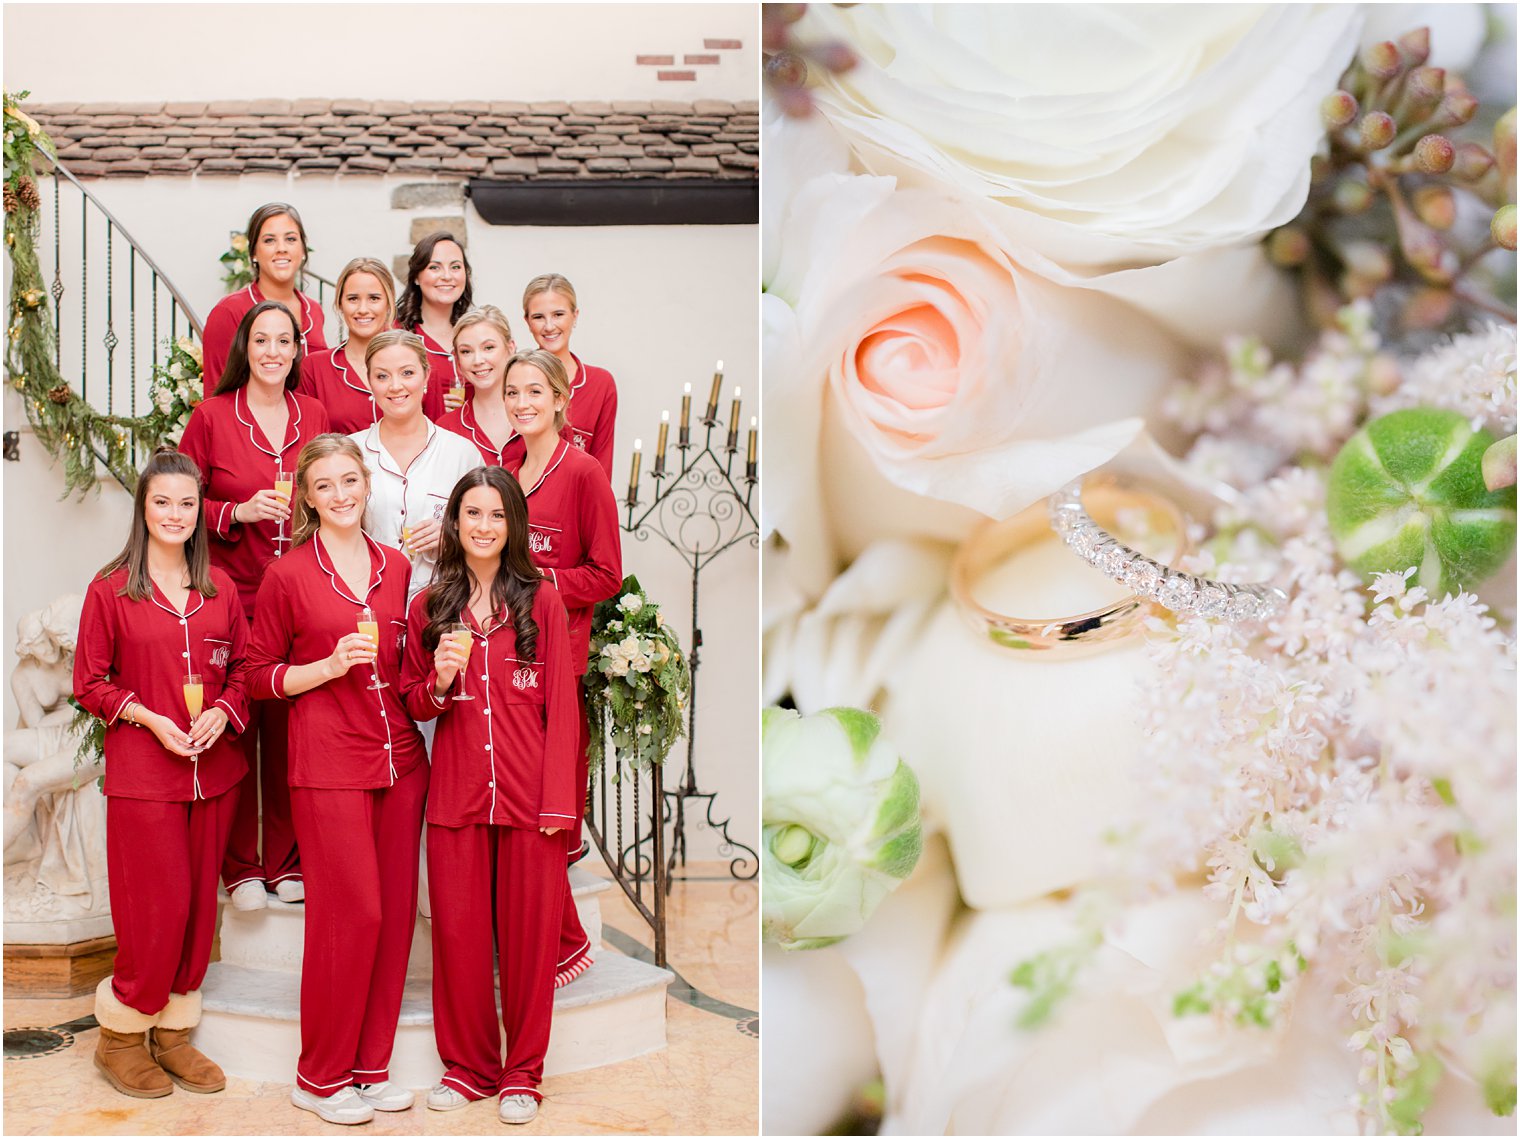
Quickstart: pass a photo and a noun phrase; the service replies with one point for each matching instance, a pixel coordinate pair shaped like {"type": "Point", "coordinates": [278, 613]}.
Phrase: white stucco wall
{"type": "Point", "coordinates": [194, 52]}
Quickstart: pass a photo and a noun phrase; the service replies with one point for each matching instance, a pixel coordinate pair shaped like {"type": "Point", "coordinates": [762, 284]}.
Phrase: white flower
{"type": "Point", "coordinates": [925, 366]}
{"type": "Point", "coordinates": [630, 603]}
{"type": "Point", "coordinates": [163, 399]}
{"type": "Point", "coordinates": [1117, 131]}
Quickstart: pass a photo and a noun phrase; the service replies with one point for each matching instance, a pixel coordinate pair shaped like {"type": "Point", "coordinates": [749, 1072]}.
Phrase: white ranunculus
{"type": "Point", "coordinates": [928, 375]}
{"type": "Point", "coordinates": [163, 399]}
{"type": "Point", "coordinates": [1120, 132]}
{"type": "Point", "coordinates": [630, 603]}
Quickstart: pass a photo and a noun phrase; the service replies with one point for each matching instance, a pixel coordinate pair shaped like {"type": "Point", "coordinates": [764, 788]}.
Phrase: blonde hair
{"type": "Point", "coordinates": [559, 380]}
{"type": "Point", "coordinates": [549, 283]}
{"type": "Point", "coordinates": [376, 270]}
{"type": "Point", "coordinates": [485, 314]}
{"type": "Point", "coordinates": [391, 338]}
{"type": "Point", "coordinates": [304, 521]}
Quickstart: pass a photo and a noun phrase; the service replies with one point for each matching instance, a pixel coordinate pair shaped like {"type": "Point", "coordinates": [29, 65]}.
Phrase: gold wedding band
{"type": "Point", "coordinates": [1061, 638]}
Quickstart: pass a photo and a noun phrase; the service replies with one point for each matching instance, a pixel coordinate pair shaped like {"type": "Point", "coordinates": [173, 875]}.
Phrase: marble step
{"type": "Point", "coordinates": [251, 1021]}
{"type": "Point", "coordinates": [272, 938]}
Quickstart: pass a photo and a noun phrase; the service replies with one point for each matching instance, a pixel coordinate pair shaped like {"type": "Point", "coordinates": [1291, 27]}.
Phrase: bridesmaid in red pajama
{"type": "Point", "coordinates": [229, 437]}
{"type": "Point", "coordinates": [156, 614]}
{"type": "Point", "coordinates": [550, 309]}
{"type": "Point", "coordinates": [439, 290]}
{"type": "Point", "coordinates": [277, 249]}
{"type": "Point", "coordinates": [358, 779]}
{"type": "Point", "coordinates": [574, 537]}
{"type": "Point", "coordinates": [503, 791]}
{"type": "Point", "coordinates": [336, 377]}
{"type": "Point", "coordinates": [482, 344]}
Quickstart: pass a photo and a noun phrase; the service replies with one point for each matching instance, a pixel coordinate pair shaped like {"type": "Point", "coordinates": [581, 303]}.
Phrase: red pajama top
{"type": "Point", "coordinates": [461, 421]}
{"type": "Point", "coordinates": [507, 757]}
{"type": "Point", "coordinates": [142, 650]}
{"type": "Point", "coordinates": [328, 379]}
{"type": "Point", "coordinates": [440, 374]}
{"type": "Point", "coordinates": [342, 734]}
{"type": "Point", "coordinates": [236, 460]}
{"type": "Point", "coordinates": [590, 417]}
{"type": "Point", "coordinates": [222, 325]}
{"type": "Point", "coordinates": [573, 533]}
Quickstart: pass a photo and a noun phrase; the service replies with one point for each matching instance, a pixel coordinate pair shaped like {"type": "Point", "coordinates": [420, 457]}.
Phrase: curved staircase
{"type": "Point", "coordinates": [251, 1021]}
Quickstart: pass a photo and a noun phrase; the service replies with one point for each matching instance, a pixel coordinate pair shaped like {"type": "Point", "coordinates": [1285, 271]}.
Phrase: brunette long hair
{"type": "Point", "coordinates": [517, 579]}
{"type": "Point", "coordinates": [409, 307]}
{"type": "Point", "coordinates": [237, 373]}
{"type": "Point", "coordinates": [134, 555]}
{"type": "Point", "coordinates": [304, 521]}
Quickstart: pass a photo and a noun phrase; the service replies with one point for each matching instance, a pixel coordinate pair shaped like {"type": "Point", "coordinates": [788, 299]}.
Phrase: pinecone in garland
{"type": "Point", "coordinates": [10, 199]}
{"type": "Point", "coordinates": [60, 394]}
{"type": "Point", "coordinates": [27, 192]}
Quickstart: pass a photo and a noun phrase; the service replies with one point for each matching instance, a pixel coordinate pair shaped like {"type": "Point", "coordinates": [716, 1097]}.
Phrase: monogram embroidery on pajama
{"type": "Point", "coordinates": [538, 541]}
{"type": "Point", "coordinates": [524, 678]}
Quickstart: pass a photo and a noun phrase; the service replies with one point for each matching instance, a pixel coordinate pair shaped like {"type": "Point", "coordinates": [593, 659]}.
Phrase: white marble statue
{"type": "Point", "coordinates": [54, 813]}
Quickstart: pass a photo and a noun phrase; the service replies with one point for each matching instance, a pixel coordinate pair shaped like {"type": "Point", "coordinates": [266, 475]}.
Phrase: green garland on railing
{"type": "Point", "coordinates": [72, 431]}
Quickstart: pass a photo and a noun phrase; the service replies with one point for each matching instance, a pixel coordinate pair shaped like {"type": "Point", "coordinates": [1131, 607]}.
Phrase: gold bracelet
{"type": "Point", "coordinates": [1059, 638]}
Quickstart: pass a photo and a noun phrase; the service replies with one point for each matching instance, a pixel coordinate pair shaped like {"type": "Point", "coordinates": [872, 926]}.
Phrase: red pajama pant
{"type": "Point", "coordinates": [573, 942]}
{"type": "Point", "coordinates": [480, 876]}
{"type": "Point", "coordinates": [161, 862]}
{"type": "Point", "coordinates": [359, 852]}
{"type": "Point", "coordinates": [264, 746]}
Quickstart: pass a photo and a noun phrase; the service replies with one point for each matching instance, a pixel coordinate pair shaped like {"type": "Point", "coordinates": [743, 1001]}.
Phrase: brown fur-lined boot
{"type": "Point", "coordinates": [169, 1044]}
{"type": "Point", "coordinates": [122, 1053]}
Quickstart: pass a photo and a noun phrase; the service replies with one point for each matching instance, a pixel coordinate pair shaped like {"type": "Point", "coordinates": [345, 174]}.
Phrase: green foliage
{"type": "Point", "coordinates": [1049, 977]}
{"type": "Point", "coordinates": [90, 730]}
{"type": "Point", "coordinates": [1413, 1092]}
{"type": "Point", "coordinates": [72, 431]}
{"type": "Point", "coordinates": [238, 273]}
{"type": "Point", "coordinates": [1248, 992]}
{"type": "Point", "coordinates": [637, 680]}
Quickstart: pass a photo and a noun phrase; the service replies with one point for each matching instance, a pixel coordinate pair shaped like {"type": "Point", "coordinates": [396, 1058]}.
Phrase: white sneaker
{"type": "Point", "coordinates": [385, 1096]}
{"type": "Point", "coordinates": [445, 1098]}
{"type": "Point", "coordinates": [344, 1106]}
{"type": "Point", "coordinates": [250, 895]}
{"type": "Point", "coordinates": [290, 890]}
{"type": "Point", "coordinates": [517, 1109]}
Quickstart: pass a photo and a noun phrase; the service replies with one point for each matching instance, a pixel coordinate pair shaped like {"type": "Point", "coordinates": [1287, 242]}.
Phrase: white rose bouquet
{"type": "Point", "coordinates": [637, 680]}
{"type": "Point", "coordinates": [237, 272]}
{"type": "Point", "coordinates": [1246, 878]}
{"type": "Point", "coordinates": [175, 387]}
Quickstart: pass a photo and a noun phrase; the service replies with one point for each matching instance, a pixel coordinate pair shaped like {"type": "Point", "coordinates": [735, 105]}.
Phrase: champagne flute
{"type": "Point", "coordinates": [461, 633]}
{"type": "Point", "coordinates": [195, 696]}
{"type": "Point", "coordinates": [371, 629]}
{"type": "Point", "coordinates": [284, 482]}
{"type": "Point", "coordinates": [456, 390]}
{"type": "Point", "coordinates": [406, 541]}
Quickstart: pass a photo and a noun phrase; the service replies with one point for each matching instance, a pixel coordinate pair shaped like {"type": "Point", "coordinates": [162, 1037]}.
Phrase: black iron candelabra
{"type": "Point", "coordinates": [700, 507]}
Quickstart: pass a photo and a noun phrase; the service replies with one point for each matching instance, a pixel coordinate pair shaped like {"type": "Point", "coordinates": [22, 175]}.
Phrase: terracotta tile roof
{"type": "Point", "coordinates": [707, 139]}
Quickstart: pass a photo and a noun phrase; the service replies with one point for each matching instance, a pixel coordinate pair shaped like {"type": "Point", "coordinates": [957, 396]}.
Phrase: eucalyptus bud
{"type": "Point", "coordinates": [1381, 60]}
{"type": "Point", "coordinates": [1288, 246]}
{"type": "Point", "coordinates": [835, 56]}
{"type": "Point", "coordinates": [1338, 109]}
{"type": "Point", "coordinates": [1434, 154]}
{"type": "Point", "coordinates": [1457, 109]}
{"type": "Point", "coordinates": [1351, 196]}
{"type": "Point", "coordinates": [1415, 46]}
{"type": "Point", "coordinates": [1368, 260]}
{"type": "Point", "coordinates": [787, 69]}
{"type": "Point", "coordinates": [1383, 376]}
{"type": "Point", "coordinates": [1436, 206]}
{"type": "Point", "coordinates": [1472, 162]}
{"type": "Point", "coordinates": [1503, 226]}
{"type": "Point", "coordinates": [1426, 308]}
{"type": "Point", "coordinates": [1499, 464]}
{"type": "Point", "coordinates": [1504, 145]}
{"type": "Point", "coordinates": [1422, 91]}
{"type": "Point", "coordinates": [1427, 254]}
{"type": "Point", "coordinates": [1377, 130]}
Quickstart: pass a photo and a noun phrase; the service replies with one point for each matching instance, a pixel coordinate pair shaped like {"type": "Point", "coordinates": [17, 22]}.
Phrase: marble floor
{"type": "Point", "coordinates": [704, 1083]}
